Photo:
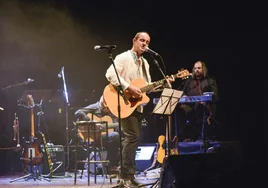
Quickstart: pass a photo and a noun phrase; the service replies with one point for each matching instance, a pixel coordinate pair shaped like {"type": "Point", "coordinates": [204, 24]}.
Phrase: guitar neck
{"type": "Point", "coordinates": [157, 83]}
{"type": "Point", "coordinates": [153, 85]}
{"type": "Point", "coordinates": [31, 106]}
{"type": "Point", "coordinates": [32, 123]}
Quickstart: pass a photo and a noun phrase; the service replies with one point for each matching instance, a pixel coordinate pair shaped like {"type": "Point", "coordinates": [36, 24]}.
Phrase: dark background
{"type": "Point", "coordinates": [38, 38]}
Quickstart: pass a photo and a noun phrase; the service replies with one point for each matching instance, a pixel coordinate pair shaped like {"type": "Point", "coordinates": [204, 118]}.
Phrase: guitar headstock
{"type": "Point", "coordinates": [30, 101]}
{"type": "Point", "coordinates": [183, 74]}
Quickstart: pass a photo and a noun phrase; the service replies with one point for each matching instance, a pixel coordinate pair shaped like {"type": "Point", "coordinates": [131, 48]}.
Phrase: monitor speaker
{"type": "Point", "coordinates": [221, 168]}
{"type": "Point", "coordinates": [58, 159]}
{"type": "Point", "coordinates": [144, 156]}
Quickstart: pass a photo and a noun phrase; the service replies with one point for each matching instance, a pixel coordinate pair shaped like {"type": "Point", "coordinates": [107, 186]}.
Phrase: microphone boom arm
{"type": "Point", "coordinates": [29, 80]}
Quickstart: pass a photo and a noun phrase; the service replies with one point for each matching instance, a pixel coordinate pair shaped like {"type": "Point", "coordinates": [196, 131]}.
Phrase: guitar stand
{"type": "Point", "coordinates": [34, 170]}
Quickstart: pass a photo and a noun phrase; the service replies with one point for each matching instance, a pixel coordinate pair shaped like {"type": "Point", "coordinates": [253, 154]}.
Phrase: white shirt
{"type": "Point", "coordinates": [129, 68]}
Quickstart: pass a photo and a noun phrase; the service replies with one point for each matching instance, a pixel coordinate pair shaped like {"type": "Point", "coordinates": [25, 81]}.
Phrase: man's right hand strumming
{"type": "Point", "coordinates": [134, 91]}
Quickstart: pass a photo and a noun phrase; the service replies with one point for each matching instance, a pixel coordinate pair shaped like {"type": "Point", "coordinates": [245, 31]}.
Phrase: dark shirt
{"type": "Point", "coordinates": [193, 87]}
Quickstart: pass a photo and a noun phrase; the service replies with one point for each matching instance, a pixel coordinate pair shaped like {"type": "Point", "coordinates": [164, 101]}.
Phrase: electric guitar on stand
{"type": "Point", "coordinates": [32, 152]}
{"type": "Point", "coordinates": [174, 146]}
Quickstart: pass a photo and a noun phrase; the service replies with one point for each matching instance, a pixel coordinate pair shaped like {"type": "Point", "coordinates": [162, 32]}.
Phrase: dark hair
{"type": "Point", "coordinates": [204, 68]}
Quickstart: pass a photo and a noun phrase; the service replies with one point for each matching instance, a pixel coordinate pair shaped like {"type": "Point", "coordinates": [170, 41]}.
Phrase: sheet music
{"type": "Point", "coordinates": [168, 101]}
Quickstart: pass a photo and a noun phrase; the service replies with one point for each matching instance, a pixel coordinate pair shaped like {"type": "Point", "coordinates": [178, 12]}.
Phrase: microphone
{"type": "Point", "coordinates": [104, 47]}
{"type": "Point", "coordinates": [151, 51]}
{"type": "Point", "coordinates": [59, 75]}
{"type": "Point", "coordinates": [29, 80]}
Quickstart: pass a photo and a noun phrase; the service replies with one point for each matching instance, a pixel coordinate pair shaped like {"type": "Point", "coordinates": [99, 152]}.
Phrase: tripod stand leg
{"type": "Point", "coordinates": [35, 174]}
{"type": "Point", "coordinates": [19, 178]}
{"type": "Point", "coordinates": [44, 178]}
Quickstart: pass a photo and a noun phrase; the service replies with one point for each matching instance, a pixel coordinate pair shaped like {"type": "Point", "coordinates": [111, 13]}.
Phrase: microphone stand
{"type": "Point", "coordinates": [168, 128]}
{"type": "Point", "coordinates": [122, 93]}
{"type": "Point", "coordinates": [157, 64]}
{"type": "Point", "coordinates": [67, 104]}
{"type": "Point", "coordinates": [158, 182]}
{"type": "Point", "coordinates": [17, 85]}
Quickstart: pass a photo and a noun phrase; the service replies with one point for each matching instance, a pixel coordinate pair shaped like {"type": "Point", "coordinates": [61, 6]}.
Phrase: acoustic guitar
{"type": "Point", "coordinates": [161, 153]}
{"type": "Point", "coordinates": [83, 133]}
{"type": "Point", "coordinates": [161, 150]}
{"type": "Point", "coordinates": [130, 103]}
{"type": "Point", "coordinates": [32, 152]}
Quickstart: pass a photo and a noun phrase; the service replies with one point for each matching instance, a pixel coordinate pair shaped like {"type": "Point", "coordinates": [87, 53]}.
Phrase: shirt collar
{"type": "Point", "coordinates": [134, 55]}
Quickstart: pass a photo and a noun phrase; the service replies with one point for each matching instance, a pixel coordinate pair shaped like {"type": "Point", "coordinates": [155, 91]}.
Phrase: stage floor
{"type": "Point", "coordinates": [219, 167]}
{"type": "Point", "coordinates": [68, 181]}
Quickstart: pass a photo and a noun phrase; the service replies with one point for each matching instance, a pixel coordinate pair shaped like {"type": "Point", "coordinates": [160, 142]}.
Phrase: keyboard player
{"type": "Point", "coordinates": [191, 112]}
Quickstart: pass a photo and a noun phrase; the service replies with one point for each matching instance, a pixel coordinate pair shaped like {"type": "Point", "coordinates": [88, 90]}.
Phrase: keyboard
{"type": "Point", "coordinates": [207, 97]}
{"type": "Point", "coordinates": [195, 99]}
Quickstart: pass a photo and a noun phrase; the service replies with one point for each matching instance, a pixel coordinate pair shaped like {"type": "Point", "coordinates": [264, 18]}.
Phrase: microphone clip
{"type": "Point", "coordinates": [153, 53]}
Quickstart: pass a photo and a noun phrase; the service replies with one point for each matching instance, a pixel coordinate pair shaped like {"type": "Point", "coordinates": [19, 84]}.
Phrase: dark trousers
{"type": "Point", "coordinates": [131, 127]}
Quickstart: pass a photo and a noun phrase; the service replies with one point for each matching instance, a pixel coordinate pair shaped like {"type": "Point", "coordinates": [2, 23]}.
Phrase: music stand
{"type": "Point", "coordinates": [165, 106]}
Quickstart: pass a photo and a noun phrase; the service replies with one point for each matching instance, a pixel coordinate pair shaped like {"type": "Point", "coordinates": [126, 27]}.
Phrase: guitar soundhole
{"type": "Point", "coordinates": [134, 101]}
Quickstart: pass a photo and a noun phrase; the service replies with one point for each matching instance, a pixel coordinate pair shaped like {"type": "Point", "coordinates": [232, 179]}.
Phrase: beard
{"type": "Point", "coordinates": [199, 75]}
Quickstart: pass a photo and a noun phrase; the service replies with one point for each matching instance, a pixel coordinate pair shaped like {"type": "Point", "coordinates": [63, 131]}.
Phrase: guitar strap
{"type": "Point", "coordinates": [144, 72]}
